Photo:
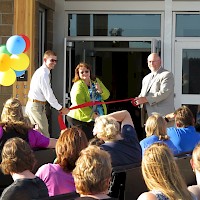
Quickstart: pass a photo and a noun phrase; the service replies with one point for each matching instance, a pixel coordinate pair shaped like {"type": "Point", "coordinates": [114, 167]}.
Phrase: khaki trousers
{"type": "Point", "coordinates": [36, 112]}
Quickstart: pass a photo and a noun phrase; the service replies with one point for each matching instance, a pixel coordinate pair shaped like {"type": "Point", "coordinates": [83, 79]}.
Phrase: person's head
{"type": "Point", "coordinates": [195, 160]}
{"type": "Point", "coordinates": [12, 111]}
{"type": "Point", "coordinates": [17, 156]}
{"type": "Point", "coordinates": [95, 141]}
{"type": "Point", "coordinates": [156, 125]}
{"type": "Point", "coordinates": [68, 147]}
{"type": "Point", "coordinates": [50, 59]}
{"type": "Point", "coordinates": [106, 128]}
{"type": "Point", "coordinates": [184, 117]}
{"type": "Point", "coordinates": [93, 171]}
{"type": "Point", "coordinates": [154, 62]}
{"type": "Point", "coordinates": [83, 71]}
{"type": "Point", "coordinates": [161, 172]}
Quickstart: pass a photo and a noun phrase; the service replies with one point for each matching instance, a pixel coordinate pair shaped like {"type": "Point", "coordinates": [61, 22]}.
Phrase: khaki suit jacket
{"type": "Point", "coordinates": [159, 91]}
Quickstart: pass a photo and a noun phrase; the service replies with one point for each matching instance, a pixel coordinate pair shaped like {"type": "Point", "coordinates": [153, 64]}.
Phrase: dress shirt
{"type": "Point", "coordinates": [40, 87]}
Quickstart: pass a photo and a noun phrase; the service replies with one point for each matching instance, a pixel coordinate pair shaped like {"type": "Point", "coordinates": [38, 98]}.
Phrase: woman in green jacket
{"type": "Point", "coordinates": [86, 88]}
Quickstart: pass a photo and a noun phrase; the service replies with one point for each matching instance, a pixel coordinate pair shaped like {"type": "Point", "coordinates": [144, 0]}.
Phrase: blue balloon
{"type": "Point", "coordinates": [19, 73]}
{"type": "Point", "coordinates": [15, 44]}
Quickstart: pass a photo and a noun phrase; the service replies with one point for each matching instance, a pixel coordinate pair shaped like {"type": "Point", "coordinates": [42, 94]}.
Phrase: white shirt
{"type": "Point", "coordinates": [40, 87]}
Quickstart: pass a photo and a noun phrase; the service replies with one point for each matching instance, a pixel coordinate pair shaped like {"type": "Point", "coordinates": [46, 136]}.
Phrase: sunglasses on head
{"type": "Point", "coordinates": [53, 60]}
{"type": "Point", "coordinates": [86, 71]}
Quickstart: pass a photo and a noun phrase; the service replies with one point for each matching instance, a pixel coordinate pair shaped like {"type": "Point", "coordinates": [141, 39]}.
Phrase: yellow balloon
{"type": "Point", "coordinates": [4, 62]}
{"type": "Point", "coordinates": [7, 78]}
{"type": "Point", "coordinates": [19, 62]}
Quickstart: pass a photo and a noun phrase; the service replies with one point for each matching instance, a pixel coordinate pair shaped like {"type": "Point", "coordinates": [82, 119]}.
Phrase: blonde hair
{"type": "Point", "coordinates": [12, 115]}
{"type": "Point", "coordinates": [196, 157]}
{"type": "Point", "coordinates": [156, 125]}
{"type": "Point", "coordinates": [106, 127]}
{"type": "Point", "coordinates": [49, 53]}
{"type": "Point", "coordinates": [161, 173]}
{"type": "Point", "coordinates": [93, 171]}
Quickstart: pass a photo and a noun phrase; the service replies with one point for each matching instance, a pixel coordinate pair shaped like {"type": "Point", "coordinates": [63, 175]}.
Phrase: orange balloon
{"type": "Point", "coordinates": [4, 62]}
{"type": "Point", "coordinates": [7, 78]}
{"type": "Point", "coordinates": [19, 62]}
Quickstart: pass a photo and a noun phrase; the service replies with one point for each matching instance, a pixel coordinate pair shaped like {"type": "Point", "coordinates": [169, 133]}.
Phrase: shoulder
{"type": "Point", "coordinates": [147, 196]}
{"type": "Point", "coordinates": [195, 190]}
{"type": "Point", "coordinates": [147, 76]}
{"type": "Point", "coordinates": [44, 169]}
{"type": "Point", "coordinates": [165, 72]}
{"type": "Point", "coordinates": [128, 129]}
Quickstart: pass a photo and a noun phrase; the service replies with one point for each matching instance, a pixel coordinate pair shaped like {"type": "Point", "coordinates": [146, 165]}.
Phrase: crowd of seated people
{"type": "Point", "coordinates": [113, 133]}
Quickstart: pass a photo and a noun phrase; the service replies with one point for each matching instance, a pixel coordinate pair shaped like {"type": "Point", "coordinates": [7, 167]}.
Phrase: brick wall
{"type": "Point", "coordinates": [6, 30]}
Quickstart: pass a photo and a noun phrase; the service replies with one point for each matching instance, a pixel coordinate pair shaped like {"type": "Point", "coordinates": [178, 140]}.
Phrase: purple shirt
{"type": "Point", "coordinates": [35, 138]}
{"type": "Point", "coordinates": [56, 180]}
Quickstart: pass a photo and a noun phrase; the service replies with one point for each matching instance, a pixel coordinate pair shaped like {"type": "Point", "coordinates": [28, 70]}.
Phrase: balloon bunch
{"type": "Point", "coordinates": [13, 60]}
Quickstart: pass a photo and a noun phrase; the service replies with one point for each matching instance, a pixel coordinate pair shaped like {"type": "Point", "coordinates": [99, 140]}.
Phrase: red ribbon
{"type": "Point", "coordinates": [61, 123]}
{"type": "Point", "coordinates": [91, 103]}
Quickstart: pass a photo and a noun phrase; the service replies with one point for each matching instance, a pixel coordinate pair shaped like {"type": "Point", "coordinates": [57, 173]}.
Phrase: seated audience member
{"type": "Point", "coordinates": [14, 124]}
{"type": "Point", "coordinates": [195, 163]}
{"type": "Point", "coordinates": [18, 160]}
{"type": "Point", "coordinates": [124, 146]}
{"type": "Point", "coordinates": [92, 173]}
{"type": "Point", "coordinates": [184, 135]}
{"type": "Point", "coordinates": [156, 131]}
{"type": "Point", "coordinates": [57, 176]}
{"type": "Point", "coordinates": [162, 176]}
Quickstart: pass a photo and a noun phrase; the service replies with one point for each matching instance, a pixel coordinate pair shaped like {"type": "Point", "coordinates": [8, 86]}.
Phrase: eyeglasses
{"type": "Point", "coordinates": [53, 60]}
{"type": "Point", "coordinates": [152, 61]}
{"type": "Point", "coordinates": [87, 71]}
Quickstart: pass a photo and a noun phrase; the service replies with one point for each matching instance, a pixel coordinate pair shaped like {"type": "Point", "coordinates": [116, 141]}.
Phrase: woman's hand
{"type": "Point", "coordinates": [98, 88]}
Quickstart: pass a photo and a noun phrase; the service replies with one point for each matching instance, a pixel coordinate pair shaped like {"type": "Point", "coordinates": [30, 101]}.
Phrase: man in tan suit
{"type": "Point", "coordinates": [157, 93]}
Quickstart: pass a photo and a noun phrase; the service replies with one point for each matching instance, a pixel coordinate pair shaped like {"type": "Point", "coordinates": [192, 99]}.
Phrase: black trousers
{"type": "Point", "coordinates": [87, 127]}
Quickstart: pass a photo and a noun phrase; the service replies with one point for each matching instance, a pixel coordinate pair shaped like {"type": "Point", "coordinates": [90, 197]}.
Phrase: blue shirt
{"type": "Point", "coordinates": [146, 142]}
{"type": "Point", "coordinates": [126, 151]}
{"type": "Point", "coordinates": [185, 139]}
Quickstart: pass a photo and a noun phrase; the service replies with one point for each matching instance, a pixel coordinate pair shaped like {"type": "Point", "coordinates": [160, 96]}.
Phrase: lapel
{"type": "Point", "coordinates": [152, 79]}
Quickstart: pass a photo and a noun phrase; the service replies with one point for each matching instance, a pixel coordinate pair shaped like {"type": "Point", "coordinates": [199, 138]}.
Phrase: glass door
{"type": "Point", "coordinates": [187, 75]}
{"type": "Point", "coordinates": [120, 65]}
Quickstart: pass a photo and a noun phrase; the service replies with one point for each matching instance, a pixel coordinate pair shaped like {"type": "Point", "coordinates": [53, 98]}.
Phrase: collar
{"type": "Point", "coordinates": [156, 72]}
{"type": "Point", "coordinates": [45, 68]}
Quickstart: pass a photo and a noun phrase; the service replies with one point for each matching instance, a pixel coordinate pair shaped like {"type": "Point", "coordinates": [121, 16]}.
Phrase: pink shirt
{"type": "Point", "coordinates": [36, 139]}
{"type": "Point", "coordinates": [56, 180]}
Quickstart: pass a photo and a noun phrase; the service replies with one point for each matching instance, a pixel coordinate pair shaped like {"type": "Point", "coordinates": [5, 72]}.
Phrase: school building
{"type": "Point", "coordinates": [115, 37]}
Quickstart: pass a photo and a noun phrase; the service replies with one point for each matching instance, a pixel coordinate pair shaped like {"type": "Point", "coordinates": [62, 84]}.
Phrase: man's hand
{"type": "Point", "coordinates": [140, 100]}
{"type": "Point", "coordinates": [64, 111]}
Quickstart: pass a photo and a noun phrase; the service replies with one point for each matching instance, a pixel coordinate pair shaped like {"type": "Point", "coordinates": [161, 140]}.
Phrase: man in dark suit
{"type": "Point", "coordinates": [157, 93]}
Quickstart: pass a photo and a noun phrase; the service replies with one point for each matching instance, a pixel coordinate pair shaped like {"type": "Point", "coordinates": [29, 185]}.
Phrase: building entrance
{"type": "Point", "coordinates": [121, 69]}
